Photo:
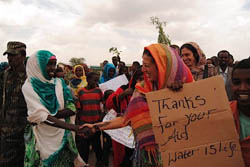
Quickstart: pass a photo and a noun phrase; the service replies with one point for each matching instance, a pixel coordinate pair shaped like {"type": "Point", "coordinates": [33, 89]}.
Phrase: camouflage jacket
{"type": "Point", "coordinates": [13, 110]}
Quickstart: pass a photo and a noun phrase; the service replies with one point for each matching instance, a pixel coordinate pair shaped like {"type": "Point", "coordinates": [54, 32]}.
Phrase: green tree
{"type": "Point", "coordinates": [115, 51]}
{"type": "Point", "coordinates": [75, 61]}
{"type": "Point", "coordinates": [162, 37]}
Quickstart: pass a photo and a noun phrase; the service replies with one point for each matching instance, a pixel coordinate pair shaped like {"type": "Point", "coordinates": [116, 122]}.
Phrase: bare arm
{"type": "Point", "coordinates": [53, 121]}
{"type": "Point", "coordinates": [64, 113]}
{"type": "Point", "coordinates": [113, 124]}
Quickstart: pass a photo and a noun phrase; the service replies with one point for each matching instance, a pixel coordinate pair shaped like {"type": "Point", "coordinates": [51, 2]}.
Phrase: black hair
{"type": "Point", "coordinates": [59, 69]}
{"type": "Point", "coordinates": [107, 93]}
{"type": "Point", "coordinates": [146, 52]}
{"type": "Point", "coordinates": [174, 46]}
{"type": "Point", "coordinates": [231, 56]}
{"type": "Point", "coordinates": [193, 50]}
{"type": "Point", "coordinates": [91, 74]}
{"type": "Point", "coordinates": [122, 68]}
{"type": "Point", "coordinates": [136, 63]}
{"type": "Point", "coordinates": [223, 51]}
{"type": "Point", "coordinates": [123, 63]}
{"type": "Point", "coordinates": [243, 64]}
{"type": "Point", "coordinates": [135, 77]}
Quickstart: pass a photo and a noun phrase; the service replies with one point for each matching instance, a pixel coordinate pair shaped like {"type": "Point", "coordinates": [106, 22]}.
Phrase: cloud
{"type": "Point", "coordinates": [89, 28]}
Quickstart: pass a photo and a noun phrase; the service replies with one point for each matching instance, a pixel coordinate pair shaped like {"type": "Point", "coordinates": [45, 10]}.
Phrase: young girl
{"type": "Point", "coordinates": [79, 80]}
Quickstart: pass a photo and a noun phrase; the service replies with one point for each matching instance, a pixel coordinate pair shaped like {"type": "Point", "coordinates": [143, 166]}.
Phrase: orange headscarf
{"type": "Point", "coordinates": [170, 68]}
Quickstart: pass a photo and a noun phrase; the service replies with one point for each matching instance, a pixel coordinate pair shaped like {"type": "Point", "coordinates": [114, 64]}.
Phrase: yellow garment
{"type": "Point", "coordinates": [78, 82]}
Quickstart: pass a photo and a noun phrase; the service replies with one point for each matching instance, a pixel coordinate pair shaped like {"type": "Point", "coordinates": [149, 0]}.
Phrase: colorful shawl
{"type": "Point", "coordinates": [105, 73]}
{"type": "Point", "coordinates": [78, 82]}
{"type": "Point", "coordinates": [170, 68]}
{"type": "Point", "coordinates": [202, 57]}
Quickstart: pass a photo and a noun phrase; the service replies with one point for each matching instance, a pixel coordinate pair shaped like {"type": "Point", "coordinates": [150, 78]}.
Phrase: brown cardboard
{"type": "Point", "coordinates": [194, 127]}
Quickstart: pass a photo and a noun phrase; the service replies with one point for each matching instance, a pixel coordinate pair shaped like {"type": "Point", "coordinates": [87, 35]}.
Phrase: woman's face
{"type": "Point", "coordinates": [79, 72]}
{"type": "Point", "coordinates": [111, 73]}
{"type": "Point", "coordinates": [188, 57]}
{"type": "Point", "coordinates": [149, 68]}
{"type": "Point", "coordinates": [51, 68]}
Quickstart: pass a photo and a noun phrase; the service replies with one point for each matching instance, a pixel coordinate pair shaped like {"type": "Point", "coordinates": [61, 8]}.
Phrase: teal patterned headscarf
{"type": "Point", "coordinates": [42, 84]}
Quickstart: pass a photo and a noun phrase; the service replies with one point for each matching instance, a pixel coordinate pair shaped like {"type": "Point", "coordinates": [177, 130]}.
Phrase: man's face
{"type": "Point", "coordinates": [241, 86]}
{"type": "Point", "coordinates": [115, 61]}
{"type": "Point", "coordinates": [15, 60]}
{"type": "Point", "coordinates": [223, 58]}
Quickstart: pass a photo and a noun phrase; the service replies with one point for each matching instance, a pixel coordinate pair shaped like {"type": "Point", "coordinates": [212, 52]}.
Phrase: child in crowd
{"type": "Point", "coordinates": [119, 101]}
{"type": "Point", "coordinates": [89, 111]}
{"type": "Point", "coordinates": [59, 73]}
{"type": "Point", "coordinates": [79, 79]}
{"type": "Point", "coordinates": [241, 107]}
{"type": "Point", "coordinates": [107, 142]}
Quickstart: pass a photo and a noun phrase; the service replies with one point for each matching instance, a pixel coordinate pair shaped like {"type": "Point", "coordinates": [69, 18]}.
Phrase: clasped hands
{"type": "Point", "coordinates": [86, 130]}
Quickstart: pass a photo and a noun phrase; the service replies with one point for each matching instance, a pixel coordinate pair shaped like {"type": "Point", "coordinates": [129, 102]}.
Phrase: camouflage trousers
{"type": "Point", "coordinates": [12, 149]}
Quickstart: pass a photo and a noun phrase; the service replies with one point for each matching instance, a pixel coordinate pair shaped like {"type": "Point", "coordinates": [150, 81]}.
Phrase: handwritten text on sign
{"type": "Point", "coordinates": [195, 127]}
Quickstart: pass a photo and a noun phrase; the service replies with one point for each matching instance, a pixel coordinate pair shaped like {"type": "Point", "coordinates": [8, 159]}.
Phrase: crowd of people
{"type": "Point", "coordinates": [50, 115]}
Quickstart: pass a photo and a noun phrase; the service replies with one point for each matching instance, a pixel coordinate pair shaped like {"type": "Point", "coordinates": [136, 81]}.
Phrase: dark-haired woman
{"type": "Point", "coordinates": [195, 59]}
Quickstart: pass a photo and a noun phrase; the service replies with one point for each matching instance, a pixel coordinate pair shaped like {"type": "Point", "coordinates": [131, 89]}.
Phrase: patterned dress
{"type": "Point", "coordinates": [47, 146]}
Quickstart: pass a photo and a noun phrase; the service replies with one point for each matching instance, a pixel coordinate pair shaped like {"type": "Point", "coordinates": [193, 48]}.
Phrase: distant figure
{"type": "Point", "coordinates": [176, 48]}
{"type": "Point", "coordinates": [121, 64]}
{"type": "Point", "coordinates": [209, 61]}
{"type": "Point", "coordinates": [215, 61]}
{"type": "Point", "coordinates": [59, 73]}
{"type": "Point", "coordinates": [231, 61]}
{"type": "Point", "coordinates": [225, 70]}
{"type": "Point", "coordinates": [104, 63]}
{"type": "Point", "coordinates": [3, 66]}
{"type": "Point", "coordinates": [135, 66]}
{"type": "Point", "coordinates": [115, 62]}
{"type": "Point", "coordinates": [79, 80]}
{"type": "Point", "coordinates": [13, 111]}
{"type": "Point", "coordinates": [109, 72]}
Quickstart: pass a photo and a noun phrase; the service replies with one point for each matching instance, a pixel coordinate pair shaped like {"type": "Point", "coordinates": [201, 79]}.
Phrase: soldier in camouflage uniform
{"type": "Point", "coordinates": [13, 109]}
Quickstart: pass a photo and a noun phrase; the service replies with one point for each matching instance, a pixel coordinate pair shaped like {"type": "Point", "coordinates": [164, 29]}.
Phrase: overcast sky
{"type": "Point", "coordinates": [88, 28]}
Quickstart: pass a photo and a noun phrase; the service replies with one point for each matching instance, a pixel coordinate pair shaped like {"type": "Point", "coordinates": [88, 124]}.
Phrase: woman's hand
{"type": "Point", "coordinates": [86, 130]}
{"type": "Point", "coordinates": [176, 85]}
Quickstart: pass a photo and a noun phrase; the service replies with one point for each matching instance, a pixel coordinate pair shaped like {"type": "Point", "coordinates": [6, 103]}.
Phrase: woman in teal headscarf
{"type": "Point", "coordinates": [49, 142]}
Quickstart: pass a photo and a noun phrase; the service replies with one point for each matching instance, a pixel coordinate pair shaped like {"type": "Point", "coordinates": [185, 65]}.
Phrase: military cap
{"type": "Point", "coordinates": [14, 47]}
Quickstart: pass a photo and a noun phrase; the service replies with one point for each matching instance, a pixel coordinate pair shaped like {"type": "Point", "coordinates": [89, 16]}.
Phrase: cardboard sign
{"type": "Point", "coordinates": [114, 83]}
{"type": "Point", "coordinates": [195, 127]}
{"type": "Point", "coordinates": [122, 135]}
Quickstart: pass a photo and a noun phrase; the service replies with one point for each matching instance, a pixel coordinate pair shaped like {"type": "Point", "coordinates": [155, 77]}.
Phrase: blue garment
{"type": "Point", "coordinates": [105, 76]}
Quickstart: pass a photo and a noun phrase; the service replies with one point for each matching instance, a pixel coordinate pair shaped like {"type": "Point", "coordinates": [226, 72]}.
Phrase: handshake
{"type": "Point", "coordinates": [87, 130]}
